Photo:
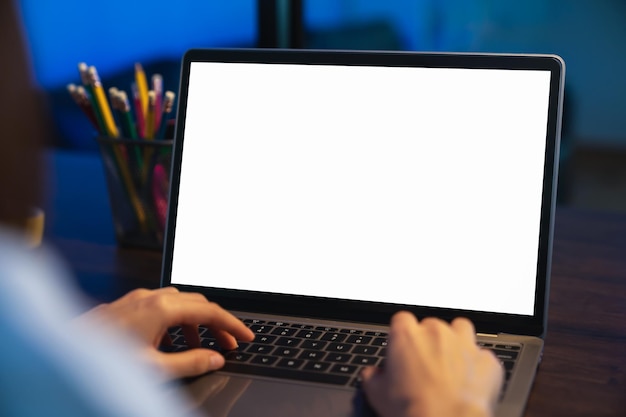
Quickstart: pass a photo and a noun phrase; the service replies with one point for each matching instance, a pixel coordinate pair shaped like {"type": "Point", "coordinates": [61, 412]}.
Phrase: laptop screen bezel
{"type": "Point", "coordinates": [348, 310]}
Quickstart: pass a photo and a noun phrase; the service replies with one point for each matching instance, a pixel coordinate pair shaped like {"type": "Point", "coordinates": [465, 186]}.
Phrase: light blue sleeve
{"type": "Point", "coordinates": [49, 367]}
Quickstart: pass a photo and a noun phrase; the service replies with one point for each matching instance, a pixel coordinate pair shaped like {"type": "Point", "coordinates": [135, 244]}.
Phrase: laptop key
{"type": "Point", "coordinates": [344, 369]}
{"type": "Point", "coordinates": [209, 344]}
{"type": "Point", "coordinates": [284, 331]}
{"type": "Point", "coordinates": [313, 344]}
{"type": "Point", "coordinates": [303, 326]}
{"type": "Point", "coordinates": [379, 341]}
{"type": "Point", "coordinates": [312, 355]}
{"type": "Point", "coordinates": [287, 341]}
{"type": "Point", "coordinates": [264, 338]}
{"type": "Point", "coordinates": [264, 360]}
{"type": "Point", "coordinates": [358, 339]}
{"type": "Point", "coordinates": [508, 347]}
{"type": "Point", "coordinates": [316, 366]}
{"type": "Point", "coordinates": [338, 357]}
{"type": "Point", "coordinates": [241, 346]}
{"type": "Point", "coordinates": [287, 352]}
{"type": "Point", "coordinates": [505, 354]}
{"type": "Point", "coordinates": [365, 350]}
{"type": "Point", "coordinates": [279, 323]}
{"type": "Point", "coordinates": [365, 360]}
{"type": "Point", "coordinates": [334, 337]}
{"type": "Point", "coordinates": [339, 347]}
{"type": "Point", "coordinates": [327, 329]}
{"type": "Point", "coordinates": [286, 373]}
{"type": "Point", "coordinates": [290, 363]}
{"type": "Point", "coordinates": [258, 348]}
{"type": "Point", "coordinates": [261, 328]}
{"type": "Point", "coordinates": [235, 355]}
{"type": "Point", "coordinates": [179, 340]}
{"type": "Point", "coordinates": [376, 334]}
{"type": "Point", "coordinates": [309, 334]}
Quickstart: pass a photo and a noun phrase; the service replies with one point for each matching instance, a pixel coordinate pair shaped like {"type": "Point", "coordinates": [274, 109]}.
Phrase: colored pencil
{"type": "Point", "coordinates": [102, 103]}
{"type": "Point", "coordinates": [79, 95]}
{"type": "Point", "coordinates": [168, 105]}
{"type": "Point", "coordinates": [157, 87]}
{"type": "Point", "coordinates": [142, 86]}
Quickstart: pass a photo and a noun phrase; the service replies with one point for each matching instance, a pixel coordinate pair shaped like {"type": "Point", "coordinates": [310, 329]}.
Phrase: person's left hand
{"type": "Point", "coordinates": [147, 315]}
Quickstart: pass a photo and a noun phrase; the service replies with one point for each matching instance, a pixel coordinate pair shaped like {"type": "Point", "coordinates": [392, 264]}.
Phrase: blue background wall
{"type": "Point", "coordinates": [113, 34]}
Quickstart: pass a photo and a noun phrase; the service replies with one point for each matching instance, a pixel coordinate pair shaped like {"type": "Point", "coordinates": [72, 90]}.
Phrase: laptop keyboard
{"type": "Point", "coordinates": [311, 353]}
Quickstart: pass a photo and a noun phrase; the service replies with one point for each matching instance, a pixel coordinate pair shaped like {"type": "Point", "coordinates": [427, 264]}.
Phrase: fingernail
{"type": "Point", "coordinates": [217, 361]}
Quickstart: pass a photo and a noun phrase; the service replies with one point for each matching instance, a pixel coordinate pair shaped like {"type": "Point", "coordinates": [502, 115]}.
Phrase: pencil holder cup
{"type": "Point", "coordinates": [137, 173]}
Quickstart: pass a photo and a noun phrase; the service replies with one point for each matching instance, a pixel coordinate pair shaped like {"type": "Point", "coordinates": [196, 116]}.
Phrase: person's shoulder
{"type": "Point", "coordinates": [49, 362]}
{"type": "Point", "coordinates": [32, 277]}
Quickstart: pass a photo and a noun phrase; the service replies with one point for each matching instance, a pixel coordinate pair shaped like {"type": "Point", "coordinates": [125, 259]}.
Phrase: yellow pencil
{"type": "Point", "coordinates": [142, 86]}
{"type": "Point", "coordinates": [112, 132]}
{"type": "Point", "coordinates": [103, 104]}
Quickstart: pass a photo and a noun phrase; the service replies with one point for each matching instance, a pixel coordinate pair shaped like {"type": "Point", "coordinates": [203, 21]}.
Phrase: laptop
{"type": "Point", "coordinates": [315, 193]}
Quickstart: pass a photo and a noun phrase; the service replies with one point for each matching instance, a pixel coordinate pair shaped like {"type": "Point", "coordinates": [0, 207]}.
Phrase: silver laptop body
{"type": "Point", "coordinates": [329, 189]}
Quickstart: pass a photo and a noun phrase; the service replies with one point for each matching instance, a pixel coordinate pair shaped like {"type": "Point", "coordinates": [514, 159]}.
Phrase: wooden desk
{"type": "Point", "coordinates": [584, 363]}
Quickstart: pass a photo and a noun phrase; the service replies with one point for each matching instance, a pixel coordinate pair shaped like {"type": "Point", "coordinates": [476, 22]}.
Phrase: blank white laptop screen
{"type": "Point", "coordinates": [418, 186]}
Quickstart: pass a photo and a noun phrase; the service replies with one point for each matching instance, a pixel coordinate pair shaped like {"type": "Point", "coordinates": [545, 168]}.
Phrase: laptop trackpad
{"type": "Point", "coordinates": [221, 395]}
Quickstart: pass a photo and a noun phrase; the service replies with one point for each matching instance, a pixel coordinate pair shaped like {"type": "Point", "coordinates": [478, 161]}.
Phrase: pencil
{"type": "Point", "coordinates": [83, 70]}
{"type": "Point", "coordinates": [128, 118]}
{"type": "Point", "coordinates": [123, 110]}
{"type": "Point", "coordinates": [116, 108]}
{"type": "Point", "coordinates": [103, 104]}
{"type": "Point", "coordinates": [168, 105]}
{"type": "Point", "coordinates": [142, 86]}
{"type": "Point", "coordinates": [150, 115]}
{"type": "Point", "coordinates": [157, 87]}
{"type": "Point", "coordinates": [79, 95]}
{"type": "Point", "coordinates": [149, 135]}
{"type": "Point", "coordinates": [118, 157]}
{"type": "Point", "coordinates": [139, 113]}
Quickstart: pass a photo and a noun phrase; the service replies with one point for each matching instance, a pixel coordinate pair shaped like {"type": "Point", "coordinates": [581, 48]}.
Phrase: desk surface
{"type": "Point", "coordinates": [584, 362]}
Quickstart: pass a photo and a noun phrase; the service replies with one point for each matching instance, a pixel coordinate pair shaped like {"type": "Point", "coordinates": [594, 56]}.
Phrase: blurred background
{"type": "Point", "coordinates": [589, 34]}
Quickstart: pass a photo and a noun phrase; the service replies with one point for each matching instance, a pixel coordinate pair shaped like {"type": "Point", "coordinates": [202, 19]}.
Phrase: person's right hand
{"type": "Point", "coordinates": [433, 369]}
{"type": "Point", "coordinates": [147, 314]}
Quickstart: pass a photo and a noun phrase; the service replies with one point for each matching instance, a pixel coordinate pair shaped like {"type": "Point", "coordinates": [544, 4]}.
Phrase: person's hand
{"type": "Point", "coordinates": [433, 369]}
{"type": "Point", "coordinates": [147, 315]}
